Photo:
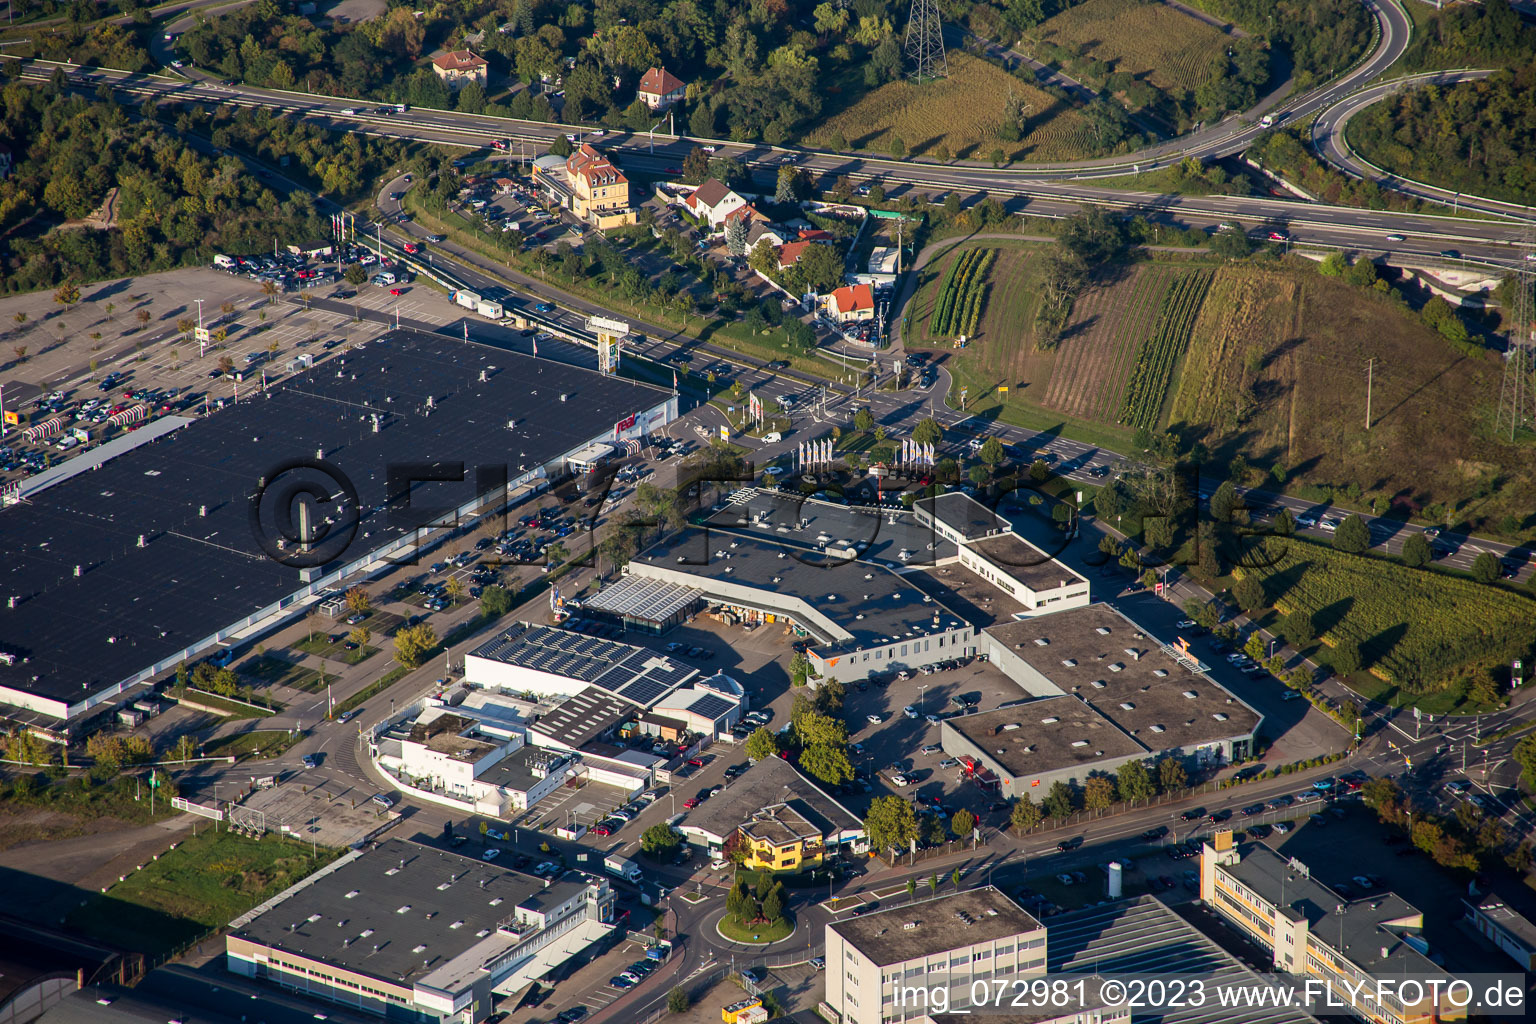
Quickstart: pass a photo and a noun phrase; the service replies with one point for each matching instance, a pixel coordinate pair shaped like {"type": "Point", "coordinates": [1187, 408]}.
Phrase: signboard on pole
{"type": "Point", "coordinates": [725, 432]}
{"type": "Point", "coordinates": [202, 335]}
{"type": "Point", "coordinates": [609, 333]}
{"type": "Point", "coordinates": [1516, 675]}
{"type": "Point", "coordinates": [1157, 588]}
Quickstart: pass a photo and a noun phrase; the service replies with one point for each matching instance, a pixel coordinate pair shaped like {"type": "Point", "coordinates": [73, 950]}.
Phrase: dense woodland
{"type": "Point", "coordinates": [1486, 35]}
{"type": "Point", "coordinates": [757, 70]}
{"type": "Point", "coordinates": [174, 206]}
{"type": "Point", "coordinates": [1322, 37]}
{"type": "Point", "coordinates": [1477, 137]}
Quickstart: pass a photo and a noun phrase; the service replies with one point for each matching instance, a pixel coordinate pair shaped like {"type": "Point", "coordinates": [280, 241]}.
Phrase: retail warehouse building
{"type": "Point", "coordinates": [115, 575]}
{"type": "Point", "coordinates": [412, 933]}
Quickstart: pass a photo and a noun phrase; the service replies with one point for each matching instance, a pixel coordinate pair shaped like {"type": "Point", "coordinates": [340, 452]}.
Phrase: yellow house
{"type": "Point", "coordinates": [779, 838]}
{"type": "Point", "coordinates": [599, 190]}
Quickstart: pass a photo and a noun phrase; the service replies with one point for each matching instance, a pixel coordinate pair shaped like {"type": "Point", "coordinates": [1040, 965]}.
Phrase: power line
{"type": "Point", "coordinates": [925, 41]}
{"type": "Point", "coordinates": [1517, 390]}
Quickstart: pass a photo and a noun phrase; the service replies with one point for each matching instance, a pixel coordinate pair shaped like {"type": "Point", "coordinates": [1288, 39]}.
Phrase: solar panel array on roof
{"type": "Point", "coordinates": [637, 597]}
{"type": "Point", "coordinates": [633, 673]}
{"type": "Point", "coordinates": [710, 706]}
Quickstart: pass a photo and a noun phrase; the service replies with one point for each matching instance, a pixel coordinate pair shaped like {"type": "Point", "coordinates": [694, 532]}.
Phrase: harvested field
{"type": "Point", "coordinates": [962, 112]}
{"type": "Point", "coordinates": [1099, 344]}
{"type": "Point", "coordinates": [1157, 43]}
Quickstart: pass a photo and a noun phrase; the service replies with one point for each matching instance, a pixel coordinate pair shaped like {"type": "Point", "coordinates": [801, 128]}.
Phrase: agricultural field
{"type": "Point", "coordinates": [1113, 325]}
{"type": "Point", "coordinates": [1160, 353]}
{"type": "Point", "coordinates": [1168, 49]}
{"type": "Point", "coordinates": [1417, 629]}
{"type": "Point", "coordinates": [1276, 371]}
{"type": "Point", "coordinates": [962, 296]}
{"type": "Point", "coordinates": [963, 113]}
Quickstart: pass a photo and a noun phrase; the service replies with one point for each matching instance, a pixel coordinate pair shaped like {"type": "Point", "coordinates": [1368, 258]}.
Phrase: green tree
{"type": "Point", "coordinates": [413, 643]}
{"type": "Point", "coordinates": [762, 744]}
{"type": "Point", "coordinates": [1231, 245]}
{"type": "Point", "coordinates": [355, 274]}
{"type": "Point", "coordinates": [677, 1000]}
{"type": "Point", "coordinates": [455, 590]}
{"type": "Point", "coordinates": [912, 888]}
{"type": "Point", "coordinates": [992, 452]}
{"type": "Point", "coordinates": [1284, 523]}
{"type": "Point", "coordinates": [1025, 815]}
{"type": "Point", "coordinates": [962, 822]}
{"type": "Point", "coordinates": [928, 432]}
{"type": "Point", "coordinates": [1248, 592]}
{"type": "Point", "coordinates": [1223, 501]}
{"type": "Point", "coordinates": [1486, 568]}
{"type": "Point", "coordinates": [1298, 628]}
{"type": "Point", "coordinates": [827, 762]}
{"type": "Point", "coordinates": [1352, 536]}
{"type": "Point", "coordinates": [1524, 755]}
{"type": "Point", "coordinates": [1416, 551]}
{"type": "Point", "coordinates": [1333, 265]}
{"type": "Point", "coordinates": [1059, 802]}
{"type": "Point", "coordinates": [891, 823]}
{"type": "Point", "coordinates": [1134, 782]}
{"type": "Point", "coordinates": [863, 420]}
{"type": "Point", "coordinates": [495, 601]}
{"type": "Point", "coordinates": [1098, 793]}
{"type": "Point", "coordinates": [660, 840]}
{"type": "Point", "coordinates": [1171, 774]}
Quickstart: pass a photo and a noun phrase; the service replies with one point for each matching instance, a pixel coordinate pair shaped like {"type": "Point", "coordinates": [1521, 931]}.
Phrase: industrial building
{"type": "Point", "coordinates": [780, 818]}
{"type": "Point", "coordinates": [878, 963]}
{"type": "Point", "coordinates": [1104, 693]}
{"type": "Point", "coordinates": [413, 933]}
{"type": "Point", "coordinates": [1495, 919]}
{"type": "Point", "coordinates": [1309, 929]}
{"type": "Point", "coordinates": [116, 575]}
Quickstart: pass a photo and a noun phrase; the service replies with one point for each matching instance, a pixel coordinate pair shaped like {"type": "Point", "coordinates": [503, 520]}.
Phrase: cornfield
{"type": "Point", "coordinates": [1160, 353]}
{"type": "Point", "coordinates": [962, 295]}
{"type": "Point", "coordinates": [1415, 628]}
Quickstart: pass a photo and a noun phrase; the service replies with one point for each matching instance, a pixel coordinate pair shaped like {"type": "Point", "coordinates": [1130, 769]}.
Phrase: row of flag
{"type": "Point", "coordinates": [343, 227]}
{"type": "Point", "coordinates": [915, 454]}
{"type": "Point", "coordinates": [813, 453]}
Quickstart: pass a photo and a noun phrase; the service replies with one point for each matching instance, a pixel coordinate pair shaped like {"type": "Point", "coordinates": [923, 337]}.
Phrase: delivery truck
{"type": "Point", "coordinates": [623, 867]}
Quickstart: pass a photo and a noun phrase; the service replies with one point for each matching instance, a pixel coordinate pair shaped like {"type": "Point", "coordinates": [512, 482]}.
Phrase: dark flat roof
{"type": "Point", "coordinates": [885, 533]}
{"type": "Point", "coordinates": [401, 899]}
{"type": "Point", "coordinates": [133, 606]}
{"type": "Point", "coordinates": [1024, 562]}
{"type": "Point", "coordinates": [1155, 697]}
{"type": "Point", "coordinates": [767, 782]}
{"type": "Point", "coordinates": [1364, 924]}
{"type": "Point", "coordinates": [870, 602]}
{"type": "Point", "coordinates": [943, 923]}
{"type": "Point", "coordinates": [963, 514]}
{"type": "Point", "coordinates": [583, 716]}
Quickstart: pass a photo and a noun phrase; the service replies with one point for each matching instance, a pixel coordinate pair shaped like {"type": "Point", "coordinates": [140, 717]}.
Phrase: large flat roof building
{"type": "Point", "coordinates": [947, 940]}
{"type": "Point", "coordinates": [410, 932]}
{"type": "Point", "coordinates": [1310, 929]}
{"type": "Point", "coordinates": [527, 658]}
{"type": "Point", "coordinates": [114, 576]}
{"type": "Point", "coordinates": [864, 616]}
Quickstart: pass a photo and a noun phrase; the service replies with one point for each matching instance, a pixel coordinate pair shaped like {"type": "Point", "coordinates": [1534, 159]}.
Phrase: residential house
{"type": "Point", "coordinates": [778, 818]}
{"type": "Point", "coordinates": [713, 202]}
{"type": "Point", "coordinates": [458, 68]}
{"type": "Point", "coordinates": [790, 253]}
{"type": "Point", "coordinates": [851, 303]}
{"type": "Point", "coordinates": [760, 231]}
{"type": "Point", "coordinates": [589, 185]}
{"type": "Point", "coordinates": [659, 89]}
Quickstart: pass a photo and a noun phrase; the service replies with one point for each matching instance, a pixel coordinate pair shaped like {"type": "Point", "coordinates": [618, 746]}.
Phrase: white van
{"type": "Point", "coordinates": [773, 437]}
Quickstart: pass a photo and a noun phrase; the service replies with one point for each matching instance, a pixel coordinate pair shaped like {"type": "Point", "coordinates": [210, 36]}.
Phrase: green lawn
{"type": "Point", "coordinates": [209, 879]}
{"type": "Point", "coordinates": [260, 743]}
{"type": "Point", "coordinates": [758, 933]}
{"type": "Point", "coordinates": [276, 671]}
{"type": "Point", "coordinates": [231, 708]}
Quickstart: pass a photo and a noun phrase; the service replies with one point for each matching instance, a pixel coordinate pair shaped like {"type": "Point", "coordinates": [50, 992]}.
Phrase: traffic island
{"type": "Point", "coordinates": [758, 933]}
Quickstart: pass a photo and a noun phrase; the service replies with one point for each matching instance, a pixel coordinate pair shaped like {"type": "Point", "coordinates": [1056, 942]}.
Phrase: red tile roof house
{"type": "Point", "coordinates": [458, 68]}
{"type": "Point", "coordinates": [851, 302]}
{"type": "Point", "coordinates": [790, 253]}
{"type": "Point", "coordinates": [659, 89]}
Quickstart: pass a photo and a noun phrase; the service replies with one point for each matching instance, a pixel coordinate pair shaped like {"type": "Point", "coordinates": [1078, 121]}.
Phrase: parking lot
{"type": "Point", "coordinates": [127, 350]}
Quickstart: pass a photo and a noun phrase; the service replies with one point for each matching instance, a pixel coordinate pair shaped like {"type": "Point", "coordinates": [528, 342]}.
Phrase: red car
{"type": "Point", "coordinates": [394, 291]}
{"type": "Point", "coordinates": [601, 830]}
{"type": "Point", "coordinates": [1277, 236]}
{"type": "Point", "coordinates": [691, 803]}
{"type": "Point", "coordinates": [409, 247]}
{"type": "Point", "coordinates": [697, 762]}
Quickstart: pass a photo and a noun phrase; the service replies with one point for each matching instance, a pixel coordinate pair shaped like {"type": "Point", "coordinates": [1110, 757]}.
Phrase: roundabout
{"type": "Point", "coordinates": [756, 936]}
